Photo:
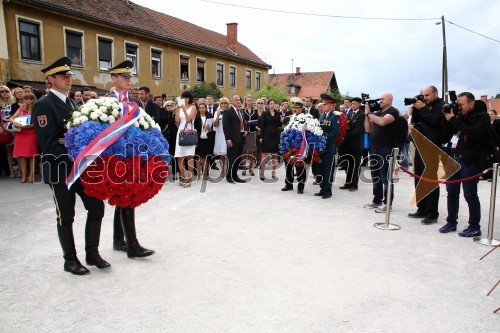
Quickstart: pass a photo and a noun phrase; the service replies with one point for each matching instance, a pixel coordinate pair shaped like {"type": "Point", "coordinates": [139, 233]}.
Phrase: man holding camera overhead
{"type": "Point", "coordinates": [465, 128]}
{"type": "Point", "coordinates": [427, 115]}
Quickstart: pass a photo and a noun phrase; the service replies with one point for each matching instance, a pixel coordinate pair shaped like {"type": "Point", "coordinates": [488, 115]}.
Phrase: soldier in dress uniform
{"type": "Point", "coordinates": [300, 170]}
{"type": "Point", "coordinates": [124, 219]}
{"type": "Point", "coordinates": [50, 115]}
{"type": "Point", "coordinates": [330, 124]}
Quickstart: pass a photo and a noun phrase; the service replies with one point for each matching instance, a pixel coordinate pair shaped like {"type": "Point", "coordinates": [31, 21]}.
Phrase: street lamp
{"type": "Point", "coordinates": [444, 83]}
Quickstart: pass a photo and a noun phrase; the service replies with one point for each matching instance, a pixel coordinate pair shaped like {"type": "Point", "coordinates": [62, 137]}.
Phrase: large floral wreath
{"type": "Point", "coordinates": [128, 172]}
{"type": "Point", "coordinates": [344, 125]}
{"type": "Point", "coordinates": [302, 139]}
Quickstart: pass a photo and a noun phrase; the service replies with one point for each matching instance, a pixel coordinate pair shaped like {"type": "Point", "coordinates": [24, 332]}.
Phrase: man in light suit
{"type": "Point", "coordinates": [234, 131]}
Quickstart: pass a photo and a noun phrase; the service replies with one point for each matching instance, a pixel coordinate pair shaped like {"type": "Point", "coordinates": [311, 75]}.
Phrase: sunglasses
{"type": "Point", "coordinates": [260, 103]}
{"type": "Point", "coordinates": [169, 105]}
{"type": "Point", "coordinates": [224, 103]}
{"type": "Point", "coordinates": [3, 91]}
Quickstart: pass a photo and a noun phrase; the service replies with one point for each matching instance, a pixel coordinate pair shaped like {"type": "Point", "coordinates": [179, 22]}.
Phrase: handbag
{"type": "Point", "coordinates": [188, 137]}
{"type": "Point", "coordinates": [5, 136]}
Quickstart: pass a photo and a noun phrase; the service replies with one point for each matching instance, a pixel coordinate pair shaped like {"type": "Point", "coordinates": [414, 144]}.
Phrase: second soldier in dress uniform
{"type": "Point", "coordinates": [299, 166]}
{"type": "Point", "coordinates": [124, 219]}
{"type": "Point", "coordinates": [330, 124]}
{"type": "Point", "coordinates": [50, 115]}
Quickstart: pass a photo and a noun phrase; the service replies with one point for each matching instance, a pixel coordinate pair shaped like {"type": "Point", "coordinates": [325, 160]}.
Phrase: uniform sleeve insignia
{"type": "Point", "coordinates": [42, 121]}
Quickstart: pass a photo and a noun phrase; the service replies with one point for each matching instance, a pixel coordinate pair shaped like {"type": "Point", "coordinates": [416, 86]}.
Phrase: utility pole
{"type": "Point", "coordinates": [445, 64]}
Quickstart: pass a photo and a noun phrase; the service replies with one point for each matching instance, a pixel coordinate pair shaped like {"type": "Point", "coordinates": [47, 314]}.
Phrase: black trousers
{"type": "Point", "coordinates": [65, 203]}
{"type": "Point", "coordinates": [234, 158]}
{"type": "Point", "coordinates": [429, 204]}
{"type": "Point", "coordinates": [300, 173]}
{"type": "Point", "coordinates": [353, 158]}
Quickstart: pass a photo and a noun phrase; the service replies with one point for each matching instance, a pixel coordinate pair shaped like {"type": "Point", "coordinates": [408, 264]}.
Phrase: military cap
{"type": "Point", "coordinates": [124, 68]}
{"type": "Point", "coordinates": [328, 99]}
{"type": "Point", "coordinates": [60, 66]}
{"type": "Point", "coordinates": [356, 99]}
{"type": "Point", "coordinates": [297, 101]}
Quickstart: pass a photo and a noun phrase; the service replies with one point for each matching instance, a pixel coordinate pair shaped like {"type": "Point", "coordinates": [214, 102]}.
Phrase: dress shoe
{"type": "Point", "coordinates": [98, 262]}
{"type": "Point", "coordinates": [300, 191]}
{"type": "Point", "coordinates": [345, 187]}
{"type": "Point", "coordinates": [134, 249]}
{"type": "Point", "coordinates": [416, 215]}
{"type": "Point", "coordinates": [326, 196]}
{"type": "Point", "coordinates": [353, 189]}
{"type": "Point", "coordinates": [429, 220]}
{"type": "Point", "coordinates": [287, 188]}
{"type": "Point", "coordinates": [74, 266]}
{"type": "Point", "coordinates": [448, 227]}
{"type": "Point", "coordinates": [319, 194]}
{"type": "Point", "coordinates": [229, 180]}
{"type": "Point", "coordinates": [315, 183]}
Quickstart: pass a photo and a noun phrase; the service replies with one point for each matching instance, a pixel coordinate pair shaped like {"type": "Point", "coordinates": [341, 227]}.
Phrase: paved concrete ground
{"type": "Point", "coordinates": [249, 258]}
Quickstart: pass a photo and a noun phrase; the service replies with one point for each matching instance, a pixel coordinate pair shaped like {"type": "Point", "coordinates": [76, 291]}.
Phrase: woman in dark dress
{"type": "Point", "coordinates": [251, 119]}
{"type": "Point", "coordinates": [269, 124]}
{"type": "Point", "coordinates": [204, 147]}
{"type": "Point", "coordinates": [170, 133]}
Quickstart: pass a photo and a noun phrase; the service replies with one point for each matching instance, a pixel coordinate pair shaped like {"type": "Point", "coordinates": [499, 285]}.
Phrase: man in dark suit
{"type": "Point", "coordinates": [310, 109]}
{"type": "Point", "coordinates": [51, 114]}
{"type": "Point", "coordinates": [353, 144]}
{"type": "Point", "coordinates": [124, 219]}
{"type": "Point", "coordinates": [234, 131]}
{"type": "Point", "coordinates": [330, 124]}
{"type": "Point", "coordinates": [148, 104]}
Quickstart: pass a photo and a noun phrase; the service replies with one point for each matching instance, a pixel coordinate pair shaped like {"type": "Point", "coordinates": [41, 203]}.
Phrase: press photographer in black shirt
{"type": "Point", "coordinates": [427, 116]}
{"type": "Point", "coordinates": [464, 128]}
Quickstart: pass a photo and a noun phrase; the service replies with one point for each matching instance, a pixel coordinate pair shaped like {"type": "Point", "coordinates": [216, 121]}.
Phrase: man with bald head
{"type": "Point", "coordinates": [427, 117]}
{"type": "Point", "coordinates": [382, 127]}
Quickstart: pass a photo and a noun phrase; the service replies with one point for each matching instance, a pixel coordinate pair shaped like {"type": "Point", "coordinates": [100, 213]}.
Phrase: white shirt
{"type": "Point", "coordinates": [60, 95]}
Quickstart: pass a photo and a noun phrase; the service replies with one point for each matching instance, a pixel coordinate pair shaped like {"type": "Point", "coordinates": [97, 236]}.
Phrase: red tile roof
{"type": "Point", "coordinates": [150, 22]}
{"type": "Point", "coordinates": [311, 83]}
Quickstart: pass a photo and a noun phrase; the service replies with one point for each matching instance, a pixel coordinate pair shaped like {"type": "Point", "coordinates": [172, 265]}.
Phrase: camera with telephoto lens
{"type": "Point", "coordinates": [413, 100]}
{"type": "Point", "coordinates": [452, 107]}
{"type": "Point", "coordinates": [374, 104]}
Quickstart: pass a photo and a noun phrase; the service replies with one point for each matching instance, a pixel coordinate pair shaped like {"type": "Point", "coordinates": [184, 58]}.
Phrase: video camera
{"type": "Point", "coordinates": [413, 100]}
{"type": "Point", "coordinates": [452, 107]}
{"type": "Point", "coordinates": [374, 104]}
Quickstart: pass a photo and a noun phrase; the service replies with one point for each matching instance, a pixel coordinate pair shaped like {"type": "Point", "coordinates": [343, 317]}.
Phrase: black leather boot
{"type": "Point", "coordinates": [134, 249]}
{"type": "Point", "coordinates": [92, 235]}
{"type": "Point", "coordinates": [118, 240]}
{"type": "Point", "coordinates": [67, 240]}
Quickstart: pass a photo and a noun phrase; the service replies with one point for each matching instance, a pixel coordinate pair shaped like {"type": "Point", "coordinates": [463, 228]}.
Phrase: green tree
{"type": "Point", "coordinates": [271, 92]}
{"type": "Point", "coordinates": [204, 89]}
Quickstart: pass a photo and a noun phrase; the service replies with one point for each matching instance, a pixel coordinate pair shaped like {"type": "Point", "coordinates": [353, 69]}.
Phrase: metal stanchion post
{"type": "Point", "coordinates": [387, 225]}
{"type": "Point", "coordinates": [489, 240]}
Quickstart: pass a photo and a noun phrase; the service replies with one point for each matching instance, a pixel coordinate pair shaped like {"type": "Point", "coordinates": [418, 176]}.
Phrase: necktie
{"type": "Point", "coordinates": [349, 115]}
{"type": "Point", "coordinates": [68, 103]}
{"type": "Point", "coordinates": [210, 109]}
{"type": "Point", "coordinates": [241, 120]}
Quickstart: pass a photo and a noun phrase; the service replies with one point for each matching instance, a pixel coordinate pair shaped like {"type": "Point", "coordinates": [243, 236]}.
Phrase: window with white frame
{"type": "Point", "coordinates": [248, 76]}
{"type": "Point", "coordinates": [232, 76]}
{"type": "Point", "coordinates": [220, 74]}
{"type": "Point", "coordinates": [131, 54]}
{"type": "Point", "coordinates": [105, 53]}
{"type": "Point", "coordinates": [29, 36]}
{"type": "Point", "coordinates": [155, 63]}
{"type": "Point", "coordinates": [74, 47]}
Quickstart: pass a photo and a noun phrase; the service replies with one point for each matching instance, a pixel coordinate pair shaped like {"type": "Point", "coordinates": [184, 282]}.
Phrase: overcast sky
{"type": "Point", "coordinates": [371, 56]}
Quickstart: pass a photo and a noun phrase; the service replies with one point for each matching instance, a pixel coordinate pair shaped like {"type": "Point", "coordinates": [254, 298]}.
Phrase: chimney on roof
{"type": "Point", "coordinates": [297, 70]}
{"type": "Point", "coordinates": [232, 35]}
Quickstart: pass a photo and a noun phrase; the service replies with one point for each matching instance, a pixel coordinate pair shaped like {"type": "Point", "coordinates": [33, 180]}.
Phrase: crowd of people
{"type": "Point", "coordinates": [240, 135]}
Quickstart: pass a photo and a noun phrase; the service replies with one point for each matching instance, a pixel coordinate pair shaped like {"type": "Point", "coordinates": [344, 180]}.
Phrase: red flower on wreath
{"type": "Point", "coordinates": [343, 129]}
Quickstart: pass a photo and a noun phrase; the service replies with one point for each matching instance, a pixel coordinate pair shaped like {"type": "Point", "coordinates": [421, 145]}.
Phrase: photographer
{"type": "Point", "coordinates": [427, 116]}
{"type": "Point", "coordinates": [464, 129]}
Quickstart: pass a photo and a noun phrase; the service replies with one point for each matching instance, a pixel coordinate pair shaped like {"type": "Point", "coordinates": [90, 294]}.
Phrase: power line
{"type": "Point", "coordinates": [325, 15]}
{"type": "Point", "coordinates": [348, 17]}
{"type": "Point", "coordinates": [477, 33]}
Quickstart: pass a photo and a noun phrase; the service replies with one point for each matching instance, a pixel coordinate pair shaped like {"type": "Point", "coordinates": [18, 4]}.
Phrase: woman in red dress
{"type": "Point", "coordinates": [25, 144]}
